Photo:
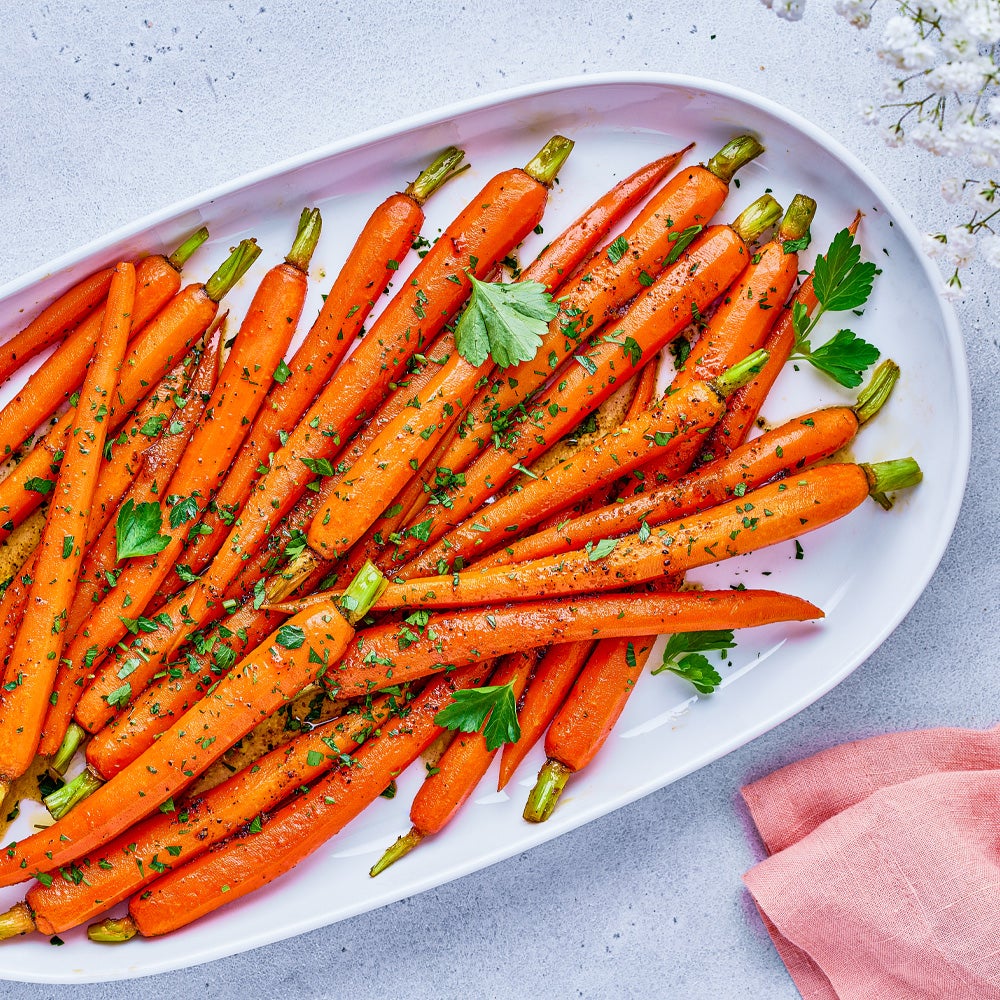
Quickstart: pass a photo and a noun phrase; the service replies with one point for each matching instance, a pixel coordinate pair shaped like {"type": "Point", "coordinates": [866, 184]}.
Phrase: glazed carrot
{"type": "Point", "coordinates": [250, 862]}
{"type": "Point", "coordinates": [372, 263]}
{"type": "Point", "coordinates": [677, 422]}
{"type": "Point", "coordinates": [703, 271]}
{"type": "Point", "coordinates": [583, 724]}
{"type": "Point", "coordinates": [553, 678]}
{"type": "Point", "coordinates": [395, 652]}
{"type": "Point", "coordinates": [771, 514]}
{"type": "Point", "coordinates": [169, 839]}
{"type": "Point", "coordinates": [157, 281]}
{"type": "Point", "coordinates": [493, 223]}
{"type": "Point", "coordinates": [782, 451]}
{"type": "Point", "coordinates": [265, 680]}
{"type": "Point", "coordinates": [39, 643]}
{"type": "Point", "coordinates": [620, 272]}
{"type": "Point", "coordinates": [743, 407]}
{"type": "Point", "coordinates": [169, 336]}
{"type": "Point", "coordinates": [54, 322]}
{"type": "Point", "coordinates": [457, 773]}
{"type": "Point", "coordinates": [259, 345]}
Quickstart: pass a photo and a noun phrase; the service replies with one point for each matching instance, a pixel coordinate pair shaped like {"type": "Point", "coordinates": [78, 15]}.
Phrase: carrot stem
{"type": "Point", "coordinates": [183, 253]}
{"type": "Point", "coordinates": [402, 847]}
{"type": "Point", "coordinates": [873, 396]}
{"type": "Point", "coordinates": [756, 217]}
{"type": "Point", "coordinates": [735, 154]}
{"type": "Point", "coordinates": [442, 169]}
{"type": "Point", "coordinates": [75, 735]}
{"type": "Point", "coordinates": [545, 164]}
{"type": "Point", "coordinates": [363, 591]}
{"type": "Point", "coordinates": [887, 477]}
{"type": "Point", "coordinates": [231, 270]}
{"type": "Point", "coordinates": [306, 238]}
{"type": "Point", "coordinates": [72, 793]}
{"type": "Point", "coordinates": [739, 374]}
{"type": "Point", "coordinates": [552, 780]}
{"type": "Point", "coordinates": [112, 930]}
{"type": "Point", "coordinates": [797, 219]}
{"type": "Point", "coordinates": [16, 921]}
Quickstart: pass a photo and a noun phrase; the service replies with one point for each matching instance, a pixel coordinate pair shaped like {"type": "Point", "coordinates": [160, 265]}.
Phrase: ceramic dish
{"type": "Point", "coordinates": [866, 572]}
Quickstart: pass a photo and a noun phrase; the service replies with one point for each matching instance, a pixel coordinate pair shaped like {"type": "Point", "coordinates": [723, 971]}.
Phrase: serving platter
{"type": "Point", "coordinates": [866, 572]}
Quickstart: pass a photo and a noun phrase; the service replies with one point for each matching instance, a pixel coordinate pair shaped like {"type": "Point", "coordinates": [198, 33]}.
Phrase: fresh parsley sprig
{"type": "Point", "coordinates": [685, 657]}
{"type": "Point", "coordinates": [842, 281]}
{"type": "Point", "coordinates": [137, 530]}
{"type": "Point", "coordinates": [504, 322]}
{"type": "Point", "coordinates": [469, 710]}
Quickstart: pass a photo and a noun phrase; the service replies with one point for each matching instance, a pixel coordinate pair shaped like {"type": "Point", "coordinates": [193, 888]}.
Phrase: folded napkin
{"type": "Point", "coordinates": [883, 880]}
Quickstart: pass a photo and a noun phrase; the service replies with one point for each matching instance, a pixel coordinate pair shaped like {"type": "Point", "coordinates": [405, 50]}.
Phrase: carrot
{"type": "Point", "coordinates": [553, 678]}
{"type": "Point", "coordinates": [782, 451]}
{"type": "Point", "coordinates": [154, 352]}
{"type": "Point", "coordinates": [673, 425]}
{"type": "Point", "coordinates": [383, 243]}
{"type": "Point", "coordinates": [702, 273]}
{"type": "Point", "coordinates": [493, 223]}
{"type": "Point", "coordinates": [275, 672]}
{"type": "Point", "coordinates": [157, 281]}
{"type": "Point", "coordinates": [583, 724]}
{"type": "Point", "coordinates": [743, 407]}
{"type": "Point", "coordinates": [40, 640]}
{"type": "Point", "coordinates": [620, 272]}
{"type": "Point", "coordinates": [426, 642]}
{"type": "Point", "coordinates": [54, 322]}
{"type": "Point", "coordinates": [457, 773]}
{"type": "Point", "coordinates": [257, 349]}
{"type": "Point", "coordinates": [298, 829]}
{"type": "Point", "coordinates": [771, 514]}
{"type": "Point", "coordinates": [188, 829]}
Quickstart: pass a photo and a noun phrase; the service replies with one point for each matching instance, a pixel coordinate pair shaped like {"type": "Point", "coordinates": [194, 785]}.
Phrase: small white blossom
{"type": "Point", "coordinates": [789, 10]}
{"type": "Point", "coordinates": [982, 22]}
{"type": "Point", "coordinates": [855, 11]}
{"type": "Point", "coordinates": [981, 197]}
{"type": "Point", "coordinates": [953, 293]}
{"type": "Point", "coordinates": [993, 107]}
{"type": "Point", "coordinates": [962, 77]}
{"type": "Point", "coordinates": [961, 246]}
{"type": "Point", "coordinates": [893, 137]}
{"type": "Point", "coordinates": [932, 245]}
{"type": "Point", "coordinates": [951, 190]}
{"type": "Point", "coordinates": [767, 3]}
{"type": "Point", "coordinates": [868, 112]}
{"type": "Point", "coordinates": [990, 249]}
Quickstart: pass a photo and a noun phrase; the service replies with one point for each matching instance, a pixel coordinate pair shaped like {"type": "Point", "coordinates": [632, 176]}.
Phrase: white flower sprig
{"type": "Point", "coordinates": [942, 94]}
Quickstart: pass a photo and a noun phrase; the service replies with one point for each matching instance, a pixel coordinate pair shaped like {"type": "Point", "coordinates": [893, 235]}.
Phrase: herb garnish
{"type": "Point", "coordinates": [684, 657]}
{"type": "Point", "coordinates": [137, 530]}
{"type": "Point", "coordinates": [469, 709]}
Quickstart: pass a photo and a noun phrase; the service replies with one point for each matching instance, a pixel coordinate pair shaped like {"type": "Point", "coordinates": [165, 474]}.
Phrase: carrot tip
{"type": "Point", "coordinates": [552, 780]}
{"type": "Point", "coordinates": [402, 847]}
{"type": "Point", "coordinates": [16, 921]}
{"type": "Point", "coordinates": [75, 735]}
{"type": "Point", "coordinates": [62, 800]}
{"type": "Point", "coordinates": [112, 931]}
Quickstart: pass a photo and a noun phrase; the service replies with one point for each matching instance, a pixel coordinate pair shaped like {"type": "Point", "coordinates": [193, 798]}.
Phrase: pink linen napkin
{"type": "Point", "coordinates": [883, 879]}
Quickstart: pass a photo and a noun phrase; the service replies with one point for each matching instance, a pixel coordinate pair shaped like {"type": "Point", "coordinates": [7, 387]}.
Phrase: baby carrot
{"type": "Point", "coordinates": [40, 639]}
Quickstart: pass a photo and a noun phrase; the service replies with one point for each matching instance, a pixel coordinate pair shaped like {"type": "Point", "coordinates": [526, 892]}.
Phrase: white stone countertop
{"type": "Point", "coordinates": [112, 110]}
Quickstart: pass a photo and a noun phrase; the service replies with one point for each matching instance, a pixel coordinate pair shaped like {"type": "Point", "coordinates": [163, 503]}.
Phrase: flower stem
{"type": "Point", "coordinates": [442, 168]}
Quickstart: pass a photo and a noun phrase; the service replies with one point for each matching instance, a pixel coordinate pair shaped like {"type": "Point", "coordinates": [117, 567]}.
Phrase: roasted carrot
{"type": "Point", "coordinates": [771, 514]}
{"type": "Point", "coordinates": [493, 223]}
{"type": "Point", "coordinates": [426, 642]}
{"type": "Point", "coordinates": [383, 243]}
{"type": "Point", "coordinates": [250, 862]}
{"type": "Point", "coordinates": [551, 682]}
{"type": "Point", "coordinates": [621, 271]}
{"type": "Point", "coordinates": [457, 773]}
{"type": "Point", "coordinates": [54, 322]}
{"type": "Point", "coordinates": [677, 422]}
{"type": "Point", "coordinates": [169, 336]}
{"type": "Point", "coordinates": [743, 407]}
{"type": "Point", "coordinates": [703, 272]}
{"type": "Point", "coordinates": [188, 829]}
{"type": "Point", "coordinates": [42, 635]}
{"type": "Point", "coordinates": [157, 281]}
{"type": "Point", "coordinates": [274, 673]}
{"type": "Point", "coordinates": [583, 724]}
{"type": "Point", "coordinates": [782, 451]}
{"type": "Point", "coordinates": [259, 345]}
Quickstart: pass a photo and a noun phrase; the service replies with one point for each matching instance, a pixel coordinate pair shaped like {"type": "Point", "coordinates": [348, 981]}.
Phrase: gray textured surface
{"type": "Point", "coordinates": [112, 110]}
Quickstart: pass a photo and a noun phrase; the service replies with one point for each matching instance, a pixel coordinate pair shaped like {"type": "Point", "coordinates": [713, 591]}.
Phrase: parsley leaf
{"type": "Point", "coordinates": [842, 280]}
{"type": "Point", "coordinates": [681, 241]}
{"type": "Point", "coordinates": [282, 372]}
{"type": "Point", "coordinates": [617, 249]}
{"type": "Point", "coordinates": [603, 548]}
{"type": "Point", "coordinates": [37, 485]}
{"type": "Point", "coordinates": [844, 357]}
{"type": "Point", "coordinates": [684, 656]}
{"type": "Point", "coordinates": [504, 322]}
{"type": "Point", "coordinates": [470, 708]}
{"type": "Point", "coordinates": [183, 511]}
{"type": "Point", "coordinates": [794, 246]}
{"type": "Point", "coordinates": [137, 530]}
{"type": "Point", "coordinates": [290, 636]}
